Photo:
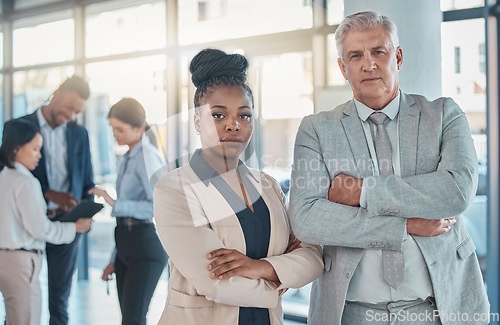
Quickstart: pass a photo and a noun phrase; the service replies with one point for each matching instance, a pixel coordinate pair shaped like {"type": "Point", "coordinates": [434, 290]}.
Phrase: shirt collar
{"type": "Point", "coordinates": [391, 110]}
{"type": "Point", "coordinates": [136, 149]}
{"type": "Point", "coordinates": [207, 173]}
{"type": "Point", "coordinates": [41, 119]}
{"type": "Point", "coordinates": [43, 122]}
{"type": "Point", "coordinates": [21, 169]}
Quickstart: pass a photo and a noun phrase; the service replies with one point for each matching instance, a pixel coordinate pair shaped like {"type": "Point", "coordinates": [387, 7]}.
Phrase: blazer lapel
{"type": "Point", "coordinates": [357, 140]}
{"type": "Point", "coordinates": [70, 138]}
{"type": "Point", "coordinates": [40, 171]}
{"type": "Point", "coordinates": [409, 118]}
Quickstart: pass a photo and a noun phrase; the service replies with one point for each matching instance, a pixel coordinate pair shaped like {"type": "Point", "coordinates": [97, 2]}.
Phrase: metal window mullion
{"type": "Point", "coordinates": [493, 140]}
{"type": "Point", "coordinates": [172, 84]}
{"type": "Point", "coordinates": [7, 84]}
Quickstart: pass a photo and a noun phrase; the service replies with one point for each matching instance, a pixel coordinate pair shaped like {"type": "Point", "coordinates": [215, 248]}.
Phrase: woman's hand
{"type": "Point", "coordinates": [99, 192]}
{"type": "Point", "coordinates": [230, 262]}
{"type": "Point", "coordinates": [107, 273]}
{"type": "Point", "coordinates": [293, 244]}
{"type": "Point", "coordinates": [83, 224]}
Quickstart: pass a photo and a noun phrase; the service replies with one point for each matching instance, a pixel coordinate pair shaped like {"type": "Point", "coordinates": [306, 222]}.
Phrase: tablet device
{"type": "Point", "coordinates": [85, 209]}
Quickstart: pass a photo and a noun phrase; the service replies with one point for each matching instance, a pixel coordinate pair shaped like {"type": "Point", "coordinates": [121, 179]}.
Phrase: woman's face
{"type": "Point", "coordinates": [124, 133]}
{"type": "Point", "coordinates": [225, 122]}
{"type": "Point", "coordinates": [29, 154]}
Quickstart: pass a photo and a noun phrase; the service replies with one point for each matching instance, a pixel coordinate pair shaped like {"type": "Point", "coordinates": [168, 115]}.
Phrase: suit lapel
{"type": "Point", "coordinates": [409, 118]}
{"type": "Point", "coordinates": [357, 140]}
{"type": "Point", "coordinates": [70, 138]}
{"type": "Point", "coordinates": [40, 171]}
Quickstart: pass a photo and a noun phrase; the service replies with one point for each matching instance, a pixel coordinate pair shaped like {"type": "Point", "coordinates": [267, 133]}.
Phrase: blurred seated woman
{"type": "Point", "coordinates": [24, 226]}
{"type": "Point", "coordinates": [223, 224]}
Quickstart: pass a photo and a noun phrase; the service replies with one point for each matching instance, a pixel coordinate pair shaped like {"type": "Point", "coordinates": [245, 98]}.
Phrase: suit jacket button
{"type": "Point", "coordinates": [433, 263]}
{"type": "Point", "coordinates": [348, 275]}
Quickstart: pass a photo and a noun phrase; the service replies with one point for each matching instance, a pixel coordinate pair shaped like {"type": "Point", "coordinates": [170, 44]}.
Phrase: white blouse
{"type": "Point", "coordinates": [23, 218]}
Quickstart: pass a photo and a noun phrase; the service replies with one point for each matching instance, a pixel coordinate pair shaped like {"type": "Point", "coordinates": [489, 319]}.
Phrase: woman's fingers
{"type": "Point", "coordinates": [228, 267]}
{"type": "Point", "coordinates": [229, 274]}
{"type": "Point", "coordinates": [219, 252]}
{"type": "Point", "coordinates": [293, 246]}
{"type": "Point", "coordinates": [222, 256]}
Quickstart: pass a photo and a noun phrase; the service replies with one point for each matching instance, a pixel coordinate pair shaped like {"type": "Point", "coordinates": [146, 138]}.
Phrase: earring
{"type": "Point", "coordinates": [198, 132]}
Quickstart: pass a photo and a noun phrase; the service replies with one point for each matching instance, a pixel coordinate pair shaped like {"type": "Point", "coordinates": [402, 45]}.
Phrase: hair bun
{"type": "Point", "coordinates": [211, 63]}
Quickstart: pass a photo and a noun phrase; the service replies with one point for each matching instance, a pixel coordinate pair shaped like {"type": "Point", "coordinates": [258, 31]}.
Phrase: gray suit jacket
{"type": "Point", "coordinates": [438, 180]}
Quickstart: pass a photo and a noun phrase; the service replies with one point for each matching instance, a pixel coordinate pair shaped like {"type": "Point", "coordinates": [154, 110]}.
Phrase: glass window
{"type": "Point", "coordinates": [457, 59]}
{"type": "Point", "coordinates": [211, 20]}
{"type": "Point", "coordinates": [468, 88]}
{"type": "Point", "coordinates": [141, 78]}
{"type": "Point", "coordinates": [1, 49]}
{"type": "Point", "coordinates": [1, 107]}
{"type": "Point", "coordinates": [23, 4]}
{"type": "Point", "coordinates": [482, 58]}
{"type": "Point", "coordinates": [335, 11]}
{"type": "Point", "coordinates": [460, 4]}
{"type": "Point", "coordinates": [36, 44]}
{"type": "Point", "coordinates": [284, 92]}
{"type": "Point", "coordinates": [137, 28]}
{"type": "Point", "coordinates": [335, 77]}
{"type": "Point", "coordinates": [110, 81]}
{"type": "Point", "coordinates": [32, 88]}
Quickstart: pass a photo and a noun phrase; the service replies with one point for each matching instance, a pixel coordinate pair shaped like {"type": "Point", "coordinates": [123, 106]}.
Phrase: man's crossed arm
{"type": "Point", "coordinates": [346, 190]}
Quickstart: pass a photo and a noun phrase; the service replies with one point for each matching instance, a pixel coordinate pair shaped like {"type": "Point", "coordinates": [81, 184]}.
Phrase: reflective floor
{"type": "Point", "coordinates": [91, 305]}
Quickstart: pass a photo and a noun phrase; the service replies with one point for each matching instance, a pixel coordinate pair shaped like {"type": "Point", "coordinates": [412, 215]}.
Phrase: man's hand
{"type": "Point", "coordinates": [345, 190]}
{"type": "Point", "coordinates": [425, 227]}
{"type": "Point", "coordinates": [65, 201]}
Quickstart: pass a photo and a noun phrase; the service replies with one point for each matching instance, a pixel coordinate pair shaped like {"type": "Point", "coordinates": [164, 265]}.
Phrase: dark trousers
{"type": "Point", "coordinates": [61, 264]}
{"type": "Point", "coordinates": [140, 260]}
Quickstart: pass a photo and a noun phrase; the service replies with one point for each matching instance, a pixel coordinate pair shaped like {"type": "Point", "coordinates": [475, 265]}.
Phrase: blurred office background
{"type": "Point", "coordinates": [142, 49]}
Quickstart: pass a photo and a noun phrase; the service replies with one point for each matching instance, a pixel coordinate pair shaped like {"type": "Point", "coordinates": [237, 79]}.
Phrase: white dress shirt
{"type": "Point", "coordinates": [55, 152]}
{"type": "Point", "coordinates": [367, 284]}
{"type": "Point", "coordinates": [23, 220]}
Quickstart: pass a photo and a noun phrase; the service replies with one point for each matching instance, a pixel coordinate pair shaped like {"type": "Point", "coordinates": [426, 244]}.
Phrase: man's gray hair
{"type": "Point", "coordinates": [362, 21]}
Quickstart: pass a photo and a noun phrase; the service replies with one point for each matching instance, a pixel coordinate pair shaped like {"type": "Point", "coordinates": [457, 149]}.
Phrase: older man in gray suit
{"type": "Point", "coordinates": [381, 182]}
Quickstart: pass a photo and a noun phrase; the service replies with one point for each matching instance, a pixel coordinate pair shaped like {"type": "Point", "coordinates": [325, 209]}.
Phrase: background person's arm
{"type": "Point", "coordinates": [29, 200]}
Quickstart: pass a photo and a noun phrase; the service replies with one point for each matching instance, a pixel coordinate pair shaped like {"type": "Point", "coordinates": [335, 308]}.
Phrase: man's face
{"type": "Point", "coordinates": [64, 107]}
{"type": "Point", "coordinates": [371, 64]}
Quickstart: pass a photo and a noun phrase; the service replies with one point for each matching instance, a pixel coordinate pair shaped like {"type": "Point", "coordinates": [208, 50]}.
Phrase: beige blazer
{"type": "Point", "coordinates": [194, 219]}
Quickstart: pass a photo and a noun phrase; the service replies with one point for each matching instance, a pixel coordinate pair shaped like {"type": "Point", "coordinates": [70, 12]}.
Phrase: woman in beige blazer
{"type": "Point", "coordinates": [225, 225]}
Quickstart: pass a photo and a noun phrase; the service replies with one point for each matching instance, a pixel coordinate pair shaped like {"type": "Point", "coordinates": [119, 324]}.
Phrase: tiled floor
{"type": "Point", "coordinates": [91, 305]}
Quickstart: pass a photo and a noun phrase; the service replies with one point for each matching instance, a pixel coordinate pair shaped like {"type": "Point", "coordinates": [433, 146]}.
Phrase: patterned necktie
{"type": "Point", "coordinates": [393, 262]}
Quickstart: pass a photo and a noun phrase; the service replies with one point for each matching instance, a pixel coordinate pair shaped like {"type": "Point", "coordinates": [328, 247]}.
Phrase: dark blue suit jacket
{"type": "Point", "coordinates": [79, 163]}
